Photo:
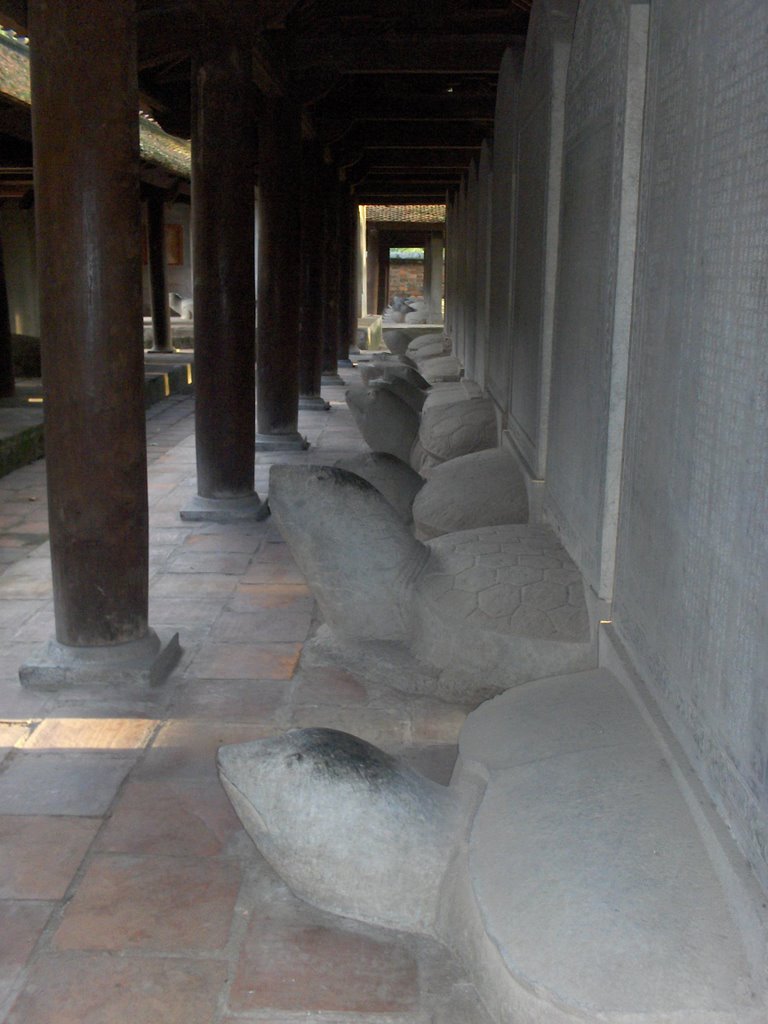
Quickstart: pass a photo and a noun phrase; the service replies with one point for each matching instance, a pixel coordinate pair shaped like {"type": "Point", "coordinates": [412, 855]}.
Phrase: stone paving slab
{"type": "Point", "coordinates": [129, 893]}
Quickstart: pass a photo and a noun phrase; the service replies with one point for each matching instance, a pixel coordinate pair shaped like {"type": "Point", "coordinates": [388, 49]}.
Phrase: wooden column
{"type": "Point", "coordinates": [223, 212]}
{"type": "Point", "coordinates": [277, 371]}
{"type": "Point", "coordinates": [86, 144]}
{"type": "Point", "coordinates": [372, 259]}
{"type": "Point", "coordinates": [382, 284]}
{"type": "Point", "coordinates": [312, 265]}
{"type": "Point", "coordinates": [433, 266]}
{"type": "Point", "coordinates": [7, 382]}
{"type": "Point", "coordinates": [157, 261]}
{"type": "Point", "coordinates": [347, 275]}
{"type": "Point", "coordinates": [331, 279]}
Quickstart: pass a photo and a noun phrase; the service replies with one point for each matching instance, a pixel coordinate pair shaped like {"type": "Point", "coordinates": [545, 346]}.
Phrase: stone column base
{"type": "Point", "coordinates": [225, 510]}
{"type": "Point", "coordinates": [332, 378]}
{"type": "Point", "coordinates": [346, 362]}
{"type": "Point", "coordinates": [314, 402]}
{"type": "Point", "coordinates": [281, 443]}
{"type": "Point", "coordinates": [137, 663]}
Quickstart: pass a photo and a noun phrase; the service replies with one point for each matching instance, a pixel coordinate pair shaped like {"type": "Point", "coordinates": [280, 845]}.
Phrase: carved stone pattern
{"type": "Point", "coordinates": [508, 579]}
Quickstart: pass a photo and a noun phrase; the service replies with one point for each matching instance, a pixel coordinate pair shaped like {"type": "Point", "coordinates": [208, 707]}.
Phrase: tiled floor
{"type": "Point", "coordinates": [129, 893]}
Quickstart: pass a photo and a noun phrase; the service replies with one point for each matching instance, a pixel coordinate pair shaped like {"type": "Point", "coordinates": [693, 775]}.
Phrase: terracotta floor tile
{"type": "Point", "coordinates": [39, 856]}
{"type": "Point", "coordinates": [245, 661]}
{"type": "Point", "coordinates": [249, 597]}
{"type": "Point", "coordinates": [272, 572]}
{"type": "Point", "coordinates": [275, 551]}
{"type": "Point", "coordinates": [11, 733]}
{"type": "Point", "coordinates": [71, 783]}
{"type": "Point", "coordinates": [204, 585]}
{"type": "Point", "coordinates": [41, 625]}
{"type": "Point", "coordinates": [232, 541]}
{"type": "Point", "coordinates": [91, 734]}
{"type": "Point", "coordinates": [168, 904]}
{"type": "Point", "coordinates": [194, 561]}
{"type": "Point", "coordinates": [324, 684]}
{"type": "Point", "coordinates": [232, 700]}
{"type": "Point", "coordinates": [175, 818]}
{"type": "Point", "coordinates": [187, 749]}
{"type": "Point", "coordinates": [279, 624]}
{"type": "Point", "coordinates": [104, 989]}
{"type": "Point", "coordinates": [14, 613]}
{"type": "Point", "coordinates": [18, 702]}
{"type": "Point", "coordinates": [21, 924]}
{"type": "Point", "coordinates": [24, 588]}
{"type": "Point", "coordinates": [186, 611]}
{"type": "Point", "coordinates": [313, 969]}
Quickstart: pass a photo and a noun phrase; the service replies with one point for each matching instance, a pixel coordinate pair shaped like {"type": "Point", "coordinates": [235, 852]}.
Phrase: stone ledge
{"type": "Point", "coordinates": [141, 663]}
{"type": "Point", "coordinates": [589, 891]}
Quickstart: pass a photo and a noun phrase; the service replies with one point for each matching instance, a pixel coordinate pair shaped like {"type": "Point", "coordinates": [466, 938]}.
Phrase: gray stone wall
{"type": "Point", "coordinates": [601, 153]}
{"type": "Point", "coordinates": [692, 559]}
{"type": "Point", "coordinates": [537, 221]}
{"type": "Point", "coordinates": [503, 201]}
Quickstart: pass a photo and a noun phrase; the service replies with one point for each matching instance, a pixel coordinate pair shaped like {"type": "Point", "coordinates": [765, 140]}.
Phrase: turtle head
{"type": "Point", "coordinates": [358, 556]}
{"type": "Point", "coordinates": [387, 423]}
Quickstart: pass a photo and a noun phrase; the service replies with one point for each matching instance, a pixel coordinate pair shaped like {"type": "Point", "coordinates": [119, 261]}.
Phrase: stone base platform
{"type": "Point", "coordinates": [595, 885]}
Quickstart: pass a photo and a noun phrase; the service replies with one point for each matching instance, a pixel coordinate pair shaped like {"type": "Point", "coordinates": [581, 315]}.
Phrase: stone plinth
{"type": "Point", "coordinates": [138, 663]}
{"type": "Point", "coordinates": [224, 510]}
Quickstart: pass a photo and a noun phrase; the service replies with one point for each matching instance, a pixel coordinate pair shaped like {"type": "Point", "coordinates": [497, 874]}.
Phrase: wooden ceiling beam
{"type": "Point", "coordinates": [13, 15]}
{"type": "Point", "coordinates": [449, 53]}
{"type": "Point", "coordinates": [412, 135]}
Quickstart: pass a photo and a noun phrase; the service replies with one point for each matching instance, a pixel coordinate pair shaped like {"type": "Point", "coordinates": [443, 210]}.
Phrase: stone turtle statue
{"type": "Point", "coordinates": [483, 609]}
{"type": "Point", "coordinates": [390, 476]}
{"type": "Point", "coordinates": [386, 422]}
{"type": "Point", "coordinates": [350, 828]}
{"type": "Point", "coordinates": [388, 371]}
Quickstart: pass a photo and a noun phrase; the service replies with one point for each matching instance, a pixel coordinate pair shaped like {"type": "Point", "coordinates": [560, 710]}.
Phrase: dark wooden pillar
{"type": "Point", "coordinates": [372, 264]}
{"type": "Point", "coordinates": [312, 260]}
{"type": "Point", "coordinates": [157, 260]}
{"type": "Point", "coordinates": [7, 382]}
{"type": "Point", "coordinates": [277, 368]}
{"type": "Point", "coordinates": [347, 276]}
{"type": "Point", "coordinates": [223, 238]}
{"type": "Point", "coordinates": [331, 278]}
{"type": "Point", "coordinates": [382, 284]}
{"type": "Point", "coordinates": [86, 145]}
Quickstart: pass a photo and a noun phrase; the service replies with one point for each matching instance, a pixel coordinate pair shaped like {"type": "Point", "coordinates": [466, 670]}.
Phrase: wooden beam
{"type": "Point", "coordinates": [443, 53]}
{"type": "Point", "coordinates": [404, 134]}
{"type": "Point", "coordinates": [13, 15]}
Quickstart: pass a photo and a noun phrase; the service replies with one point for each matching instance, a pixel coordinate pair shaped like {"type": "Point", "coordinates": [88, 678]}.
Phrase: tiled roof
{"type": "Point", "coordinates": [412, 214]}
{"type": "Point", "coordinates": [157, 147]}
